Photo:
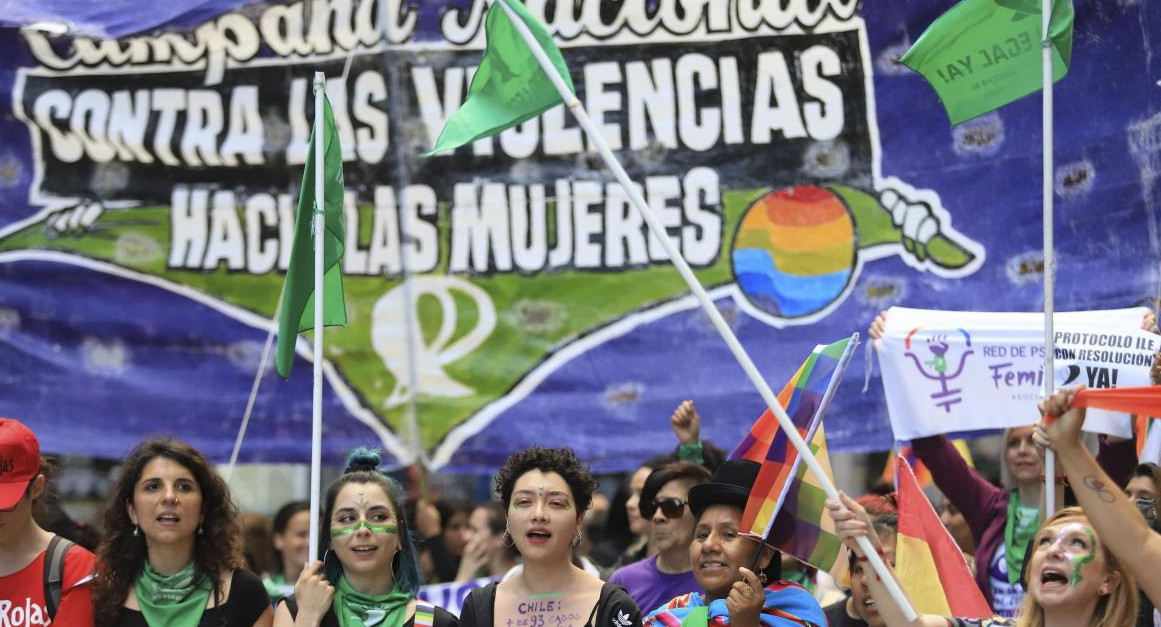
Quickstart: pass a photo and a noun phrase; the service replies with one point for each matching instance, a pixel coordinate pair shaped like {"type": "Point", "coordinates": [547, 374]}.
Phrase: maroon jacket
{"type": "Point", "coordinates": [985, 506]}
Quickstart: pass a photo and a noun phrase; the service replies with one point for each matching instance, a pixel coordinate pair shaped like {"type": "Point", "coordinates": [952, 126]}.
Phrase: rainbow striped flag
{"type": "Point", "coordinates": [785, 498]}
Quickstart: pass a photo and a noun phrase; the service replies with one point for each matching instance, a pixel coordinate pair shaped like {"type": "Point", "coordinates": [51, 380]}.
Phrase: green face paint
{"type": "Point", "coordinates": [338, 532]}
{"type": "Point", "coordinates": [1079, 561]}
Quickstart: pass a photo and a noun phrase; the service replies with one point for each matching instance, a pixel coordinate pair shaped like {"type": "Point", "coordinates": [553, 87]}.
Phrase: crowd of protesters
{"type": "Point", "coordinates": [551, 551]}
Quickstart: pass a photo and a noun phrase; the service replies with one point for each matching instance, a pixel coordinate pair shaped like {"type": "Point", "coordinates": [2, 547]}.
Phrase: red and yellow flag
{"type": "Point", "coordinates": [928, 563]}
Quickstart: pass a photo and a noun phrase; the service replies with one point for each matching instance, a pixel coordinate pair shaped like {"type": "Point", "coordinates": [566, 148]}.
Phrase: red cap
{"type": "Point", "coordinates": [19, 460]}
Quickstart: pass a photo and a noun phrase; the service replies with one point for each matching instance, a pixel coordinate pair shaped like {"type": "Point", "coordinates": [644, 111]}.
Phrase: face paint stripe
{"type": "Point", "coordinates": [1078, 562]}
{"type": "Point", "coordinates": [337, 532]}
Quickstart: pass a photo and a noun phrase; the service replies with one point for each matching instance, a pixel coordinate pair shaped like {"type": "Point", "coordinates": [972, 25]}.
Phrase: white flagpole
{"type": "Point", "coordinates": [229, 474]}
{"type": "Point", "coordinates": [1049, 249]}
{"type": "Point", "coordinates": [699, 292]}
{"type": "Point", "coordinates": [318, 229]}
{"type": "Point", "coordinates": [410, 324]}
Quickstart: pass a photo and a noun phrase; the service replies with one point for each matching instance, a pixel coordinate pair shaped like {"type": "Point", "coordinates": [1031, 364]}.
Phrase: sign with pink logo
{"type": "Point", "coordinates": [949, 371]}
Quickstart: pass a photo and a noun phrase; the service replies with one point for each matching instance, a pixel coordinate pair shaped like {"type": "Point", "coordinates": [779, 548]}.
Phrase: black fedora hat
{"type": "Point", "coordinates": [731, 485]}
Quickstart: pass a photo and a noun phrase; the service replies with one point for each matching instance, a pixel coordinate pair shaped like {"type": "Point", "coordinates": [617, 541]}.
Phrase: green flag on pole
{"type": "Point", "coordinates": [984, 54]}
{"type": "Point", "coordinates": [509, 86]}
{"type": "Point", "coordinates": [298, 291]}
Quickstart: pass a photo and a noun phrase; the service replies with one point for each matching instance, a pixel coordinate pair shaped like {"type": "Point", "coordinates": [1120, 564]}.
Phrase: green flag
{"type": "Point", "coordinates": [983, 54]}
{"type": "Point", "coordinates": [298, 291]}
{"type": "Point", "coordinates": [509, 87]}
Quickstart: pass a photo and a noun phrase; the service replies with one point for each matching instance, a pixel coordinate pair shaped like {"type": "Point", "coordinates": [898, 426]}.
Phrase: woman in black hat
{"type": "Point", "coordinates": [722, 559]}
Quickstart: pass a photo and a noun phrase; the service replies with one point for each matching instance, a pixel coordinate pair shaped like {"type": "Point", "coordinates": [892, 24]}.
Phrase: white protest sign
{"type": "Point", "coordinates": [1152, 450]}
{"type": "Point", "coordinates": [946, 371]}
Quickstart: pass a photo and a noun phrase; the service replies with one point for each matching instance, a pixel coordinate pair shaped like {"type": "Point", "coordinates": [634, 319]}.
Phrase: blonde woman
{"type": "Point", "coordinates": [1072, 577]}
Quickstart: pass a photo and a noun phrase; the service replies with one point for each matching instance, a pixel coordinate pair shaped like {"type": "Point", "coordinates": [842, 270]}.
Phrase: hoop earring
{"type": "Point", "coordinates": [136, 531]}
{"type": "Point", "coordinates": [507, 537]}
{"type": "Point", "coordinates": [395, 566]}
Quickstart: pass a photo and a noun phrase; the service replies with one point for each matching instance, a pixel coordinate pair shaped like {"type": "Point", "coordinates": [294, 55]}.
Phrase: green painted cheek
{"type": "Point", "coordinates": [362, 524]}
{"type": "Point", "coordinates": [1078, 562]}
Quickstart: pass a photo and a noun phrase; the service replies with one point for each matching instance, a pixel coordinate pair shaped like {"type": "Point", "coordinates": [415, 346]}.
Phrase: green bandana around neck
{"type": "Point", "coordinates": [1018, 531]}
{"type": "Point", "coordinates": [355, 609]}
{"type": "Point", "coordinates": [176, 600]}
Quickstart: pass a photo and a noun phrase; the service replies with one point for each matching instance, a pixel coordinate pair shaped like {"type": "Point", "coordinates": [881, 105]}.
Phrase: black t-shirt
{"type": "Point", "coordinates": [614, 608]}
{"type": "Point", "coordinates": [836, 615]}
{"type": "Point", "coordinates": [247, 601]}
{"type": "Point", "coordinates": [440, 617]}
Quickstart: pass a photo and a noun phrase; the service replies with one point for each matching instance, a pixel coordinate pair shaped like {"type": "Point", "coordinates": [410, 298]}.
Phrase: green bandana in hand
{"type": "Point", "coordinates": [355, 609]}
{"type": "Point", "coordinates": [1022, 523]}
{"type": "Point", "coordinates": [176, 600]}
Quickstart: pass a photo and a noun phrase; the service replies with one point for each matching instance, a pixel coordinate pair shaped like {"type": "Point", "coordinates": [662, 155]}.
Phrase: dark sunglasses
{"type": "Point", "coordinates": [670, 508]}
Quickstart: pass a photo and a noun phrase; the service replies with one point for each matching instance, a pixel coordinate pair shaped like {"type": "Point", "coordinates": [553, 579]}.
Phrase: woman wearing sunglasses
{"type": "Point", "coordinates": [664, 504]}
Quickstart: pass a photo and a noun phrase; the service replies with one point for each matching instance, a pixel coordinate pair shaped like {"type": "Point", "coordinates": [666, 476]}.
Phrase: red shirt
{"type": "Point", "coordinates": [22, 593]}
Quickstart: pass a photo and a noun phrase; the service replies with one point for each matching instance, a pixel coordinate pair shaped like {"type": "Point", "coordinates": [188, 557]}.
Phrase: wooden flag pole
{"type": "Point", "coordinates": [229, 473]}
{"type": "Point", "coordinates": [703, 298]}
{"type": "Point", "coordinates": [318, 230]}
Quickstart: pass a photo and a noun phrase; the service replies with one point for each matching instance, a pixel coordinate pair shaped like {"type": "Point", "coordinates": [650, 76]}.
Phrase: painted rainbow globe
{"type": "Point", "coordinates": [794, 252]}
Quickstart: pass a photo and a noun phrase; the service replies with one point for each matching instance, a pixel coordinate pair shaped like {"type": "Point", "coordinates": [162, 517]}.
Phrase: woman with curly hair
{"type": "Point", "coordinates": [172, 553]}
{"type": "Point", "coordinates": [369, 576]}
{"type": "Point", "coordinates": [545, 493]}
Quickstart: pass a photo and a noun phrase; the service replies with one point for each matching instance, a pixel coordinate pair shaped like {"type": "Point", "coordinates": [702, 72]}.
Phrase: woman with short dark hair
{"type": "Point", "coordinates": [545, 493]}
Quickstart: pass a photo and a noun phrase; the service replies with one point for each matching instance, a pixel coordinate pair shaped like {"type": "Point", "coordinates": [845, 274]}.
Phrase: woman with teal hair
{"type": "Point", "coordinates": [369, 575]}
